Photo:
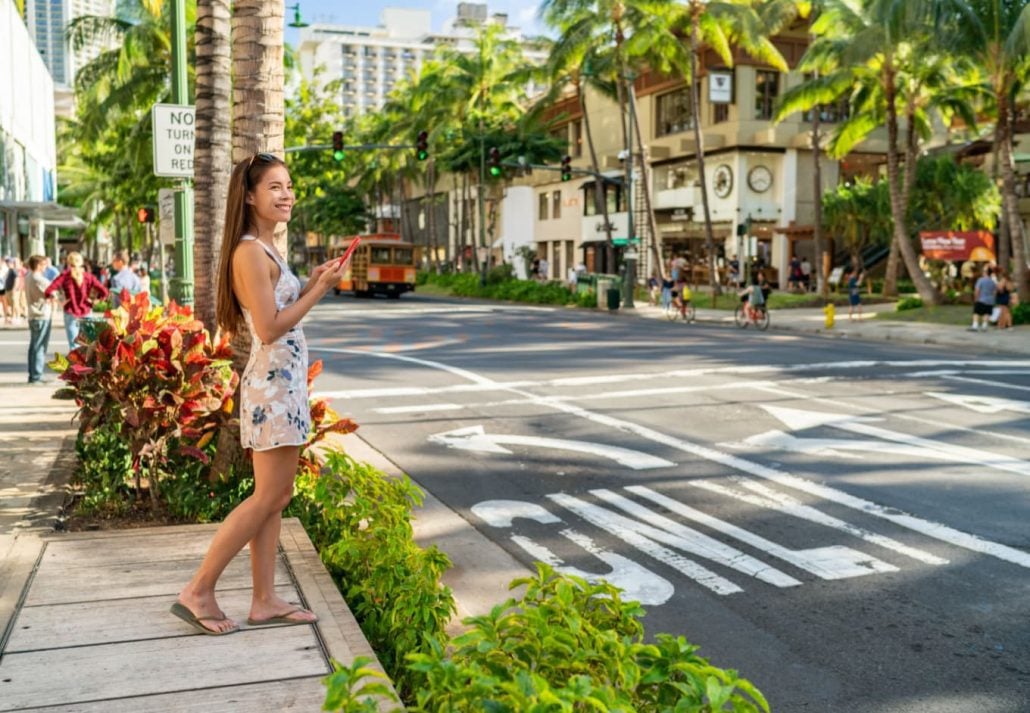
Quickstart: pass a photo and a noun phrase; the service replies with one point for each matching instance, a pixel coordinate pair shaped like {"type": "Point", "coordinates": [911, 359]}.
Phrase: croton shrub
{"type": "Point", "coordinates": [154, 374]}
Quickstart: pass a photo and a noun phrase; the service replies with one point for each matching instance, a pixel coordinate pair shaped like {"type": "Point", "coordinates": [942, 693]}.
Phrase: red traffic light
{"type": "Point", "coordinates": [145, 215]}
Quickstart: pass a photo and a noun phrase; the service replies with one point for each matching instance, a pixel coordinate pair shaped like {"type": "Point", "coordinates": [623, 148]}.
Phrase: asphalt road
{"type": "Point", "coordinates": [844, 523]}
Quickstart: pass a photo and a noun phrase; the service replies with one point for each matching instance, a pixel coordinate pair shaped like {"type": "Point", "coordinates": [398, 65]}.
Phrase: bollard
{"type": "Point", "coordinates": [828, 310]}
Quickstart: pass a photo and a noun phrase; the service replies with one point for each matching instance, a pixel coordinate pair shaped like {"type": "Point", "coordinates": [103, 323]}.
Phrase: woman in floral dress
{"type": "Point", "coordinates": [256, 291]}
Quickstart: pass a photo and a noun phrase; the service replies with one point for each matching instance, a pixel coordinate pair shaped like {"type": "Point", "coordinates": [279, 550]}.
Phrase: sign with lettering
{"type": "Point", "coordinates": [173, 140]}
{"type": "Point", "coordinates": [976, 245]}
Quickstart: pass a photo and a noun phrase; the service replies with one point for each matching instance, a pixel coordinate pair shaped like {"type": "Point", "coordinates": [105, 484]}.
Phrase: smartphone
{"type": "Point", "coordinates": [350, 250]}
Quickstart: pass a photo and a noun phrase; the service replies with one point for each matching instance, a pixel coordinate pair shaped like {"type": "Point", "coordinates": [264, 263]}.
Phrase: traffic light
{"type": "Point", "coordinates": [566, 168]}
{"type": "Point", "coordinates": [422, 146]}
{"type": "Point", "coordinates": [338, 145]}
{"type": "Point", "coordinates": [145, 215]}
{"type": "Point", "coordinates": [495, 162]}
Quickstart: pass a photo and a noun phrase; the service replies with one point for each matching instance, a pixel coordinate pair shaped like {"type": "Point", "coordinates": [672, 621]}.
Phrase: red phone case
{"type": "Point", "coordinates": [350, 250]}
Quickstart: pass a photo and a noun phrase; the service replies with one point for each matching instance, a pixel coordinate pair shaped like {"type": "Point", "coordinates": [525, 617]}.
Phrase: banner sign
{"type": "Point", "coordinates": [976, 245]}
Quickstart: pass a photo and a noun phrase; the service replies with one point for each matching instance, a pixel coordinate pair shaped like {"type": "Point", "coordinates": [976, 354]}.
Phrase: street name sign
{"type": "Point", "coordinates": [173, 140]}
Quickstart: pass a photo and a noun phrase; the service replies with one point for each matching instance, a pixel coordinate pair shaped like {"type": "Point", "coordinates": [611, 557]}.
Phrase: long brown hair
{"type": "Point", "coordinates": [245, 176]}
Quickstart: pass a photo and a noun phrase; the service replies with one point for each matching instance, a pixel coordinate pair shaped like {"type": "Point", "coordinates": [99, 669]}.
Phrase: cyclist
{"type": "Point", "coordinates": [754, 295]}
{"type": "Point", "coordinates": [681, 298]}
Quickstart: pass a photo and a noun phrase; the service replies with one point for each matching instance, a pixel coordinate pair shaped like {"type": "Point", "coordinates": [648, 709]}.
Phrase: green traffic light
{"type": "Point", "coordinates": [566, 177]}
{"type": "Point", "coordinates": [422, 155]}
{"type": "Point", "coordinates": [495, 171]}
{"type": "Point", "coordinates": [338, 155]}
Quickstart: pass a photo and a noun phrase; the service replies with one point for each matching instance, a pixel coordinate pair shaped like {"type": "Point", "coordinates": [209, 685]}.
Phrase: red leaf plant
{"type": "Point", "coordinates": [324, 420]}
{"type": "Point", "coordinates": [155, 372]}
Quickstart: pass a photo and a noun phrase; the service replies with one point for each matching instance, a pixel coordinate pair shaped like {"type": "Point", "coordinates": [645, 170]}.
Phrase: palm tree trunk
{"type": "Point", "coordinates": [600, 199]}
{"type": "Point", "coordinates": [1004, 236]}
{"type": "Point", "coordinates": [898, 209]}
{"type": "Point", "coordinates": [817, 191]}
{"type": "Point", "coordinates": [1006, 120]}
{"type": "Point", "coordinates": [645, 168]}
{"type": "Point", "coordinates": [258, 124]}
{"type": "Point", "coordinates": [212, 159]}
{"type": "Point", "coordinates": [695, 112]}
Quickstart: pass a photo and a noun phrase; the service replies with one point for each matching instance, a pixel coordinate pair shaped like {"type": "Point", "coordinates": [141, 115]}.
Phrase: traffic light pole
{"type": "Point", "coordinates": [182, 283]}
{"type": "Point", "coordinates": [629, 281]}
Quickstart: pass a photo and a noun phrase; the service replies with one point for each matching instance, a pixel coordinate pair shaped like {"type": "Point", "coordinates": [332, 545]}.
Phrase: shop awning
{"type": "Point", "coordinates": [54, 214]}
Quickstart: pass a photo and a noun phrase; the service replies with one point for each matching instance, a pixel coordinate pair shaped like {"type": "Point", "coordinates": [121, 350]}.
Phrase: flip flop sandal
{"type": "Point", "coordinates": [283, 619]}
{"type": "Point", "coordinates": [182, 611]}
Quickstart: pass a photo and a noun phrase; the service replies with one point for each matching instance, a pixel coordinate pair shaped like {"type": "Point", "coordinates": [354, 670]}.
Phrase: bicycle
{"type": "Point", "coordinates": [679, 308]}
{"type": "Point", "coordinates": [745, 314]}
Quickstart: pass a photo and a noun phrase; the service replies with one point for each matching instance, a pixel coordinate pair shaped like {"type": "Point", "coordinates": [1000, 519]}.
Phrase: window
{"type": "Point", "coordinates": [404, 256]}
{"type": "Point", "coordinates": [720, 113]}
{"type": "Point", "coordinates": [828, 113]}
{"type": "Point", "coordinates": [673, 113]}
{"type": "Point", "coordinates": [613, 194]}
{"type": "Point", "coordinates": [577, 139]}
{"type": "Point", "coordinates": [556, 205]}
{"type": "Point", "coordinates": [767, 88]}
{"type": "Point", "coordinates": [381, 256]}
{"type": "Point", "coordinates": [542, 215]}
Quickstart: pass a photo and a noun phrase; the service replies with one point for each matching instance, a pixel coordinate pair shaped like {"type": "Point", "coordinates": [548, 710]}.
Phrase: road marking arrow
{"type": "Point", "coordinates": [474, 438]}
{"type": "Point", "coordinates": [798, 419]}
{"type": "Point", "coordinates": [982, 404]}
{"type": "Point", "coordinates": [833, 447]}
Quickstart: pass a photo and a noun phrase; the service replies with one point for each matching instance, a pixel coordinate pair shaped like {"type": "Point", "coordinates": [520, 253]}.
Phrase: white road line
{"type": "Point", "coordinates": [501, 513]}
{"type": "Point", "coordinates": [798, 419]}
{"type": "Point", "coordinates": [996, 384]}
{"type": "Point", "coordinates": [770, 499]}
{"type": "Point", "coordinates": [636, 581]}
{"type": "Point", "coordinates": [417, 409]}
{"type": "Point", "coordinates": [475, 438]}
{"type": "Point", "coordinates": [690, 569]}
{"type": "Point", "coordinates": [834, 562]}
{"type": "Point", "coordinates": [980, 403]}
{"type": "Point", "coordinates": [902, 519]}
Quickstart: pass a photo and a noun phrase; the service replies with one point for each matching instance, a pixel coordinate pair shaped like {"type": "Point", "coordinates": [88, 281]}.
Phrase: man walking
{"type": "Point", "coordinates": [39, 317]}
{"type": "Point", "coordinates": [984, 293]}
{"type": "Point", "coordinates": [125, 278]}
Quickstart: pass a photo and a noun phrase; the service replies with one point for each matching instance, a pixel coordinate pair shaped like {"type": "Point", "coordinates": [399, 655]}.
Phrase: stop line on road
{"type": "Point", "coordinates": [664, 540]}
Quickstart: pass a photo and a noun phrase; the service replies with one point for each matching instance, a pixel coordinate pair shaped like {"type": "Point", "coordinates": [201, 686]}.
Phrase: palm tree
{"type": "Point", "coordinates": [212, 154]}
{"type": "Point", "coordinates": [718, 26]}
{"type": "Point", "coordinates": [996, 35]}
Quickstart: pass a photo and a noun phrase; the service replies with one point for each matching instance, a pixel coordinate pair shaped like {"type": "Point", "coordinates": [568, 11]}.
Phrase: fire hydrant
{"type": "Point", "coordinates": [828, 310]}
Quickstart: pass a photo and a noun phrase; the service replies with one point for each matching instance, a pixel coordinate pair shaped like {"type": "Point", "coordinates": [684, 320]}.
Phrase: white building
{"type": "Point", "coordinates": [28, 153]}
{"type": "Point", "coordinates": [371, 60]}
{"type": "Point", "coordinates": [48, 22]}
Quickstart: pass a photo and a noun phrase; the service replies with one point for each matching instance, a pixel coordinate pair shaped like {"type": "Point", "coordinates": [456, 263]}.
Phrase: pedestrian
{"type": "Point", "coordinates": [124, 278]}
{"type": "Point", "coordinates": [257, 292]}
{"type": "Point", "coordinates": [144, 279]}
{"type": "Point", "coordinates": [40, 315]}
{"type": "Point", "coordinates": [21, 304]}
{"type": "Point", "coordinates": [806, 274]}
{"type": "Point", "coordinates": [5, 308]}
{"type": "Point", "coordinates": [795, 275]}
{"type": "Point", "coordinates": [1003, 300]}
{"type": "Point", "coordinates": [855, 293]}
{"type": "Point", "coordinates": [78, 287]}
{"type": "Point", "coordinates": [10, 281]}
{"type": "Point", "coordinates": [984, 293]}
{"type": "Point", "coordinates": [49, 271]}
{"type": "Point", "coordinates": [572, 278]}
{"type": "Point", "coordinates": [544, 270]}
{"type": "Point", "coordinates": [653, 288]}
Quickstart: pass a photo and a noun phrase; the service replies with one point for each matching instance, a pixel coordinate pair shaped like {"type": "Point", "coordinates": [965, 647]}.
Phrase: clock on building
{"type": "Point", "coordinates": [722, 180]}
{"type": "Point", "coordinates": [759, 179]}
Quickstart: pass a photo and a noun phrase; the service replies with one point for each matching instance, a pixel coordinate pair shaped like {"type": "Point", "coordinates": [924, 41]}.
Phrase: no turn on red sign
{"type": "Point", "coordinates": [173, 140]}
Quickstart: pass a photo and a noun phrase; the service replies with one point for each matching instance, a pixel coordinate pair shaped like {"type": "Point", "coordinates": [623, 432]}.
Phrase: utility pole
{"type": "Point", "coordinates": [182, 284]}
{"type": "Point", "coordinates": [629, 280]}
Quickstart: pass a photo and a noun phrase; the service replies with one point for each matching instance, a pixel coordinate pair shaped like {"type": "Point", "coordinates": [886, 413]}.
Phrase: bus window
{"type": "Point", "coordinates": [381, 256]}
{"type": "Point", "coordinates": [404, 256]}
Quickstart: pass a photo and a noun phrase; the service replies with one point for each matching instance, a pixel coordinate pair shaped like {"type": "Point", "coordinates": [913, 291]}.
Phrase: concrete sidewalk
{"type": "Point", "coordinates": [1015, 341]}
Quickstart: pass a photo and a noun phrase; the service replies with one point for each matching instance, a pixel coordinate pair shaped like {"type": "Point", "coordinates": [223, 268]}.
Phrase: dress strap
{"type": "Point", "coordinates": [274, 254]}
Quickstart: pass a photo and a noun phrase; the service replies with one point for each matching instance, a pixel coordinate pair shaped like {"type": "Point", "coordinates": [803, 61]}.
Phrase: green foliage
{"type": "Point", "coordinates": [355, 688]}
{"type": "Point", "coordinates": [587, 299]}
{"type": "Point", "coordinates": [568, 645]}
{"type": "Point", "coordinates": [906, 303]}
{"type": "Point", "coordinates": [360, 521]}
{"type": "Point", "coordinates": [1021, 313]}
{"type": "Point", "coordinates": [154, 370]}
{"type": "Point", "coordinates": [953, 196]}
{"type": "Point", "coordinates": [105, 469]}
{"type": "Point", "coordinates": [501, 286]}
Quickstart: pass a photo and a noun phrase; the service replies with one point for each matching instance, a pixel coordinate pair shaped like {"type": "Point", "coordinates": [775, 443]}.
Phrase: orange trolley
{"type": "Point", "coordinates": [382, 264]}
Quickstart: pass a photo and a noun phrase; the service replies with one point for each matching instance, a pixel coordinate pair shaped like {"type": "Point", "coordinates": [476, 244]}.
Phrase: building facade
{"type": "Point", "coordinates": [372, 60]}
{"type": "Point", "coordinates": [27, 138]}
{"type": "Point", "coordinates": [48, 23]}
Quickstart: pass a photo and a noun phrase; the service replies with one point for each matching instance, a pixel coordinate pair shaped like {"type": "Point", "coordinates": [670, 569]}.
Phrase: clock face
{"type": "Point", "coordinates": [759, 179]}
{"type": "Point", "coordinates": [723, 180]}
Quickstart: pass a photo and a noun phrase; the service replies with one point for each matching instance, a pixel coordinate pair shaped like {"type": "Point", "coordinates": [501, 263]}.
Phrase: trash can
{"type": "Point", "coordinates": [613, 298]}
{"type": "Point", "coordinates": [603, 285]}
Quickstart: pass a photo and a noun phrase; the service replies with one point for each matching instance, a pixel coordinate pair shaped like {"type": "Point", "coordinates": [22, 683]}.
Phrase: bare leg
{"type": "Point", "coordinates": [272, 489]}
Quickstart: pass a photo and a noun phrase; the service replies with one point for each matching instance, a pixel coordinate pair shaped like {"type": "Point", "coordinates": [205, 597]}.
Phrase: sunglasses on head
{"type": "Point", "coordinates": [260, 157]}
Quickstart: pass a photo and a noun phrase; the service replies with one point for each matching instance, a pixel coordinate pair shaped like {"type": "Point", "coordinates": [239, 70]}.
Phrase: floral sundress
{"type": "Point", "coordinates": [274, 409]}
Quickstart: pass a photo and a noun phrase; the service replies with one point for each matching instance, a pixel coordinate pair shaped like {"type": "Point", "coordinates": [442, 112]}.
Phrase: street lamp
{"type": "Point", "coordinates": [297, 22]}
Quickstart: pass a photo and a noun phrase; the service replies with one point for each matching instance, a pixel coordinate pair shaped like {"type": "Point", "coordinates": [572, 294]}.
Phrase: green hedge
{"type": "Point", "coordinates": [502, 285]}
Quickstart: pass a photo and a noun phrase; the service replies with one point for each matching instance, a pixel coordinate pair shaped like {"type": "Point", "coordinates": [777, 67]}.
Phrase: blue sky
{"type": "Point", "coordinates": [521, 13]}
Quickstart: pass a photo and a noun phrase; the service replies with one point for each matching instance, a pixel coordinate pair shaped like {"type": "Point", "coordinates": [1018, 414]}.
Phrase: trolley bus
{"type": "Point", "coordinates": [382, 264]}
